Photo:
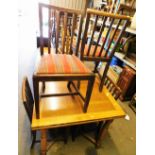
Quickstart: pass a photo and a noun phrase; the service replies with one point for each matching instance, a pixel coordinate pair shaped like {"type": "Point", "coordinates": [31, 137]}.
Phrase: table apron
{"type": "Point", "coordinates": [63, 78]}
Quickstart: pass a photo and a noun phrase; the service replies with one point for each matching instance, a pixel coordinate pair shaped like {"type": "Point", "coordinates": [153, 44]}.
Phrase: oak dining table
{"type": "Point", "coordinates": [66, 111]}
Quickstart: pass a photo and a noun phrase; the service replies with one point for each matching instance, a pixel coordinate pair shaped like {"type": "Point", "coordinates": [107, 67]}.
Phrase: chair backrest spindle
{"type": "Point", "coordinates": [118, 39]}
{"type": "Point", "coordinates": [109, 31]}
{"type": "Point", "coordinates": [74, 16]}
{"type": "Point", "coordinates": [92, 35]}
{"type": "Point", "coordinates": [84, 35]}
{"type": "Point", "coordinates": [102, 44]}
{"type": "Point", "coordinates": [41, 29]}
{"type": "Point", "coordinates": [65, 32]}
{"type": "Point", "coordinates": [49, 30]}
{"type": "Point", "coordinates": [61, 23]}
{"type": "Point", "coordinates": [100, 33]}
{"type": "Point", "coordinates": [57, 29]}
{"type": "Point", "coordinates": [113, 35]}
{"type": "Point", "coordinates": [107, 36]}
{"type": "Point", "coordinates": [112, 87]}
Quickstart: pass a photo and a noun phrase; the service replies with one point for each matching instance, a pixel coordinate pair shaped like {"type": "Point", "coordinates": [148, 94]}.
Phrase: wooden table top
{"type": "Point", "coordinates": [67, 110]}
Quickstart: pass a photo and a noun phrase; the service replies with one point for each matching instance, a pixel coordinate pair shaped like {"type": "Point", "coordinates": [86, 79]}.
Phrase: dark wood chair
{"type": "Point", "coordinates": [62, 63]}
{"type": "Point", "coordinates": [95, 132]}
{"type": "Point", "coordinates": [133, 103]}
{"type": "Point", "coordinates": [112, 87]}
{"type": "Point", "coordinates": [101, 46]}
{"type": "Point", "coordinates": [28, 104]}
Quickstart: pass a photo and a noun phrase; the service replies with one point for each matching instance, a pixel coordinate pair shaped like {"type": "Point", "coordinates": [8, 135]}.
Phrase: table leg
{"type": "Point", "coordinates": [43, 142]}
{"type": "Point", "coordinates": [36, 95]}
{"type": "Point", "coordinates": [78, 84]}
{"type": "Point", "coordinates": [89, 92]}
{"type": "Point", "coordinates": [102, 130]}
{"type": "Point", "coordinates": [104, 76]}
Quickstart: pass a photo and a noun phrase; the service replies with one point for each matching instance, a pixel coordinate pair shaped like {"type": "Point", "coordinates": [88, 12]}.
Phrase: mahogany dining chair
{"type": "Point", "coordinates": [62, 63]}
{"type": "Point", "coordinates": [100, 46]}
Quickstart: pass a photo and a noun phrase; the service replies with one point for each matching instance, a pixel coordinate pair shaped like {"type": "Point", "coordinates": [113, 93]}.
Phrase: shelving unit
{"type": "Point", "coordinates": [121, 56]}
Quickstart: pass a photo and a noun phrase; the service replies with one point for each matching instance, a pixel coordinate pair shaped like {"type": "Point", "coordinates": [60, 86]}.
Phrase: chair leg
{"type": "Point", "coordinates": [95, 68]}
{"type": "Point", "coordinates": [65, 134]}
{"type": "Point", "coordinates": [103, 128]}
{"type": "Point", "coordinates": [99, 126]}
{"type": "Point", "coordinates": [34, 138]}
{"type": "Point", "coordinates": [43, 86]}
{"type": "Point", "coordinates": [71, 82]}
{"type": "Point", "coordinates": [43, 141]}
{"type": "Point", "coordinates": [104, 76]}
{"type": "Point", "coordinates": [78, 84]}
{"type": "Point", "coordinates": [69, 86]}
{"type": "Point", "coordinates": [74, 131]}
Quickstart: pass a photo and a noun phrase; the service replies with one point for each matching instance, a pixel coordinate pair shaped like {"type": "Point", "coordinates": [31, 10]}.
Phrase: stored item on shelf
{"type": "Point", "coordinates": [127, 83]}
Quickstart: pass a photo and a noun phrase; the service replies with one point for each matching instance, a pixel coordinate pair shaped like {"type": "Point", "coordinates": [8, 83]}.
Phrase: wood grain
{"type": "Point", "coordinates": [66, 110]}
{"type": "Point", "coordinates": [107, 14]}
{"type": "Point", "coordinates": [43, 142]}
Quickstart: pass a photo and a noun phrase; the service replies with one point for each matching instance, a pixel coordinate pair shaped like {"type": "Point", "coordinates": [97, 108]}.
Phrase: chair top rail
{"type": "Point", "coordinates": [61, 8]}
{"type": "Point", "coordinates": [107, 14]}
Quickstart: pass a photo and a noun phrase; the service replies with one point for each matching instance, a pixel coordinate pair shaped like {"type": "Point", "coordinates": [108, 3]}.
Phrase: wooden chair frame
{"type": "Point", "coordinates": [28, 104]}
{"type": "Point", "coordinates": [112, 87]}
{"type": "Point", "coordinates": [102, 126]}
{"type": "Point", "coordinates": [104, 55]}
{"type": "Point", "coordinates": [60, 17]}
{"type": "Point", "coordinates": [57, 13]}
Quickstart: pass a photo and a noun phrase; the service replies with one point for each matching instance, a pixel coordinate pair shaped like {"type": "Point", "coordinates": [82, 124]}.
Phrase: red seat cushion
{"type": "Point", "coordinates": [61, 64]}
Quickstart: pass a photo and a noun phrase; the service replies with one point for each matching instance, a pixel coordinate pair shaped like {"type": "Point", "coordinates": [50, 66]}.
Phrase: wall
{"type": "Point", "coordinates": [73, 4]}
{"type": "Point", "coordinates": [97, 3]}
{"type": "Point", "coordinates": [27, 15]}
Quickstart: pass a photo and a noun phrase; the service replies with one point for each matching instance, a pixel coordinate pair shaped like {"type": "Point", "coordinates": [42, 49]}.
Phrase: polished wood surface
{"type": "Point", "coordinates": [43, 142]}
{"type": "Point", "coordinates": [107, 14]}
{"type": "Point", "coordinates": [66, 110]}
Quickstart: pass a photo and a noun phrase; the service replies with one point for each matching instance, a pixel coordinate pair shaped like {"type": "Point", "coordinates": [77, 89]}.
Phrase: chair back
{"type": "Point", "coordinates": [27, 98]}
{"type": "Point", "coordinates": [100, 46]}
{"type": "Point", "coordinates": [58, 26]}
{"type": "Point", "coordinates": [112, 87]}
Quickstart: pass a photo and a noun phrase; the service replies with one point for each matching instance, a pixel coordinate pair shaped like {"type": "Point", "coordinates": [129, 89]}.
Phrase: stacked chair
{"type": "Point", "coordinates": [100, 46]}
{"type": "Point", "coordinates": [67, 41]}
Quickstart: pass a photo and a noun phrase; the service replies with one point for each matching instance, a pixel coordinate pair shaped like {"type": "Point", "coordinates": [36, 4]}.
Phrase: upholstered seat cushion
{"type": "Point", "coordinates": [61, 64]}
